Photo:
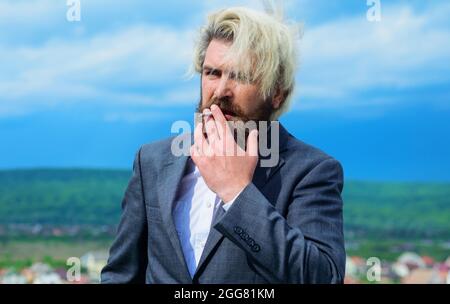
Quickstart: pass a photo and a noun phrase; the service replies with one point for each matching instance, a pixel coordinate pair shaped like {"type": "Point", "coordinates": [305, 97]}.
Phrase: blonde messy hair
{"type": "Point", "coordinates": [263, 49]}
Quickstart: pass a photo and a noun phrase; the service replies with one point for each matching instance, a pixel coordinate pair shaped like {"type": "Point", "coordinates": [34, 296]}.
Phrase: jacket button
{"type": "Point", "coordinates": [256, 248]}
{"type": "Point", "coordinates": [244, 236]}
{"type": "Point", "coordinates": [238, 230]}
{"type": "Point", "coordinates": [250, 242]}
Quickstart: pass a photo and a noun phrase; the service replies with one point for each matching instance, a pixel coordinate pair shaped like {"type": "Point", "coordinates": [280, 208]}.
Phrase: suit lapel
{"type": "Point", "coordinates": [263, 174]}
{"type": "Point", "coordinates": [170, 178]}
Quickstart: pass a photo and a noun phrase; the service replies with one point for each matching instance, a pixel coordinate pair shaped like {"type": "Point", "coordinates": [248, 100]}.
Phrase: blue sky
{"type": "Point", "coordinates": [375, 95]}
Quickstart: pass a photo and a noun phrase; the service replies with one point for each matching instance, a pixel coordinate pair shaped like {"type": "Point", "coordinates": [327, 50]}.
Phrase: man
{"type": "Point", "coordinates": [218, 216]}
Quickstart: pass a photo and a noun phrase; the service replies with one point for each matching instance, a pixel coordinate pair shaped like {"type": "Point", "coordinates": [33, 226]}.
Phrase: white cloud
{"type": "Point", "coordinates": [116, 66]}
{"type": "Point", "coordinates": [143, 64]}
{"type": "Point", "coordinates": [137, 54]}
{"type": "Point", "coordinates": [404, 50]}
{"type": "Point", "coordinates": [26, 11]}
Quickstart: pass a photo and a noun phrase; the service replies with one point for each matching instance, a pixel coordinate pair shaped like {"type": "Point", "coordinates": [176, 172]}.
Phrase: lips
{"type": "Point", "coordinates": [228, 114]}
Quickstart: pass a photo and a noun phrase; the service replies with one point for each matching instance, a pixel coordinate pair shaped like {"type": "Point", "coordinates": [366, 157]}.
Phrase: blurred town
{"type": "Point", "coordinates": [410, 268]}
{"type": "Point", "coordinates": [41, 273]}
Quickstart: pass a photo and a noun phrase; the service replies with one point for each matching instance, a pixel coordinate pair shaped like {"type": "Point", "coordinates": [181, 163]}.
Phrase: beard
{"type": "Point", "coordinates": [237, 117]}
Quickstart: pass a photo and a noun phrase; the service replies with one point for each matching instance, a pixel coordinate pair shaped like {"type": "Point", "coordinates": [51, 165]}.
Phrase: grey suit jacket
{"type": "Point", "coordinates": [284, 227]}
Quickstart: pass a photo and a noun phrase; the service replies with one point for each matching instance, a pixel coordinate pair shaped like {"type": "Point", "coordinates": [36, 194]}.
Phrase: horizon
{"type": "Point", "coordinates": [130, 170]}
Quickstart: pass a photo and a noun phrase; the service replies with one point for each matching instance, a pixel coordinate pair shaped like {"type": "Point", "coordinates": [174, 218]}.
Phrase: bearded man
{"type": "Point", "coordinates": [218, 215]}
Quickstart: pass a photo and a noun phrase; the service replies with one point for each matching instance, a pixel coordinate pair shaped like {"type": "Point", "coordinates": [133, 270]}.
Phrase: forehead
{"type": "Point", "coordinates": [216, 54]}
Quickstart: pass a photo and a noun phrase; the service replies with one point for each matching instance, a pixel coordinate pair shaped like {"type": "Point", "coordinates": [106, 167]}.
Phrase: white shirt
{"type": "Point", "coordinates": [193, 214]}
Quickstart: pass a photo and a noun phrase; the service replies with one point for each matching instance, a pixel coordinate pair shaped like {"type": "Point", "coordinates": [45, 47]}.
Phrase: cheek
{"type": "Point", "coordinates": [207, 90]}
{"type": "Point", "coordinates": [249, 98]}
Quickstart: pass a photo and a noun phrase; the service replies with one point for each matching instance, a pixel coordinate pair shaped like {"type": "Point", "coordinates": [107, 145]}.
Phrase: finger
{"type": "Point", "coordinates": [202, 143]}
{"type": "Point", "coordinates": [199, 139]}
{"type": "Point", "coordinates": [252, 143]}
{"type": "Point", "coordinates": [221, 121]}
{"type": "Point", "coordinates": [224, 131]}
{"type": "Point", "coordinates": [195, 152]}
{"type": "Point", "coordinates": [211, 129]}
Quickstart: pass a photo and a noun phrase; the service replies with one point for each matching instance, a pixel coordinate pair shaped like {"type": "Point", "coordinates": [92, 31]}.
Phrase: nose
{"type": "Point", "coordinates": [224, 87]}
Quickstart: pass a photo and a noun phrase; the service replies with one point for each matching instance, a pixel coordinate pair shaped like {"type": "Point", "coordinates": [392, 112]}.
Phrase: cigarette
{"type": "Point", "coordinates": [207, 114]}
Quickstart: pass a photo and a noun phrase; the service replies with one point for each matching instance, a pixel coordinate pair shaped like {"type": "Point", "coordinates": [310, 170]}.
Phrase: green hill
{"type": "Point", "coordinates": [93, 197]}
{"type": "Point", "coordinates": [398, 209]}
{"type": "Point", "coordinates": [62, 197]}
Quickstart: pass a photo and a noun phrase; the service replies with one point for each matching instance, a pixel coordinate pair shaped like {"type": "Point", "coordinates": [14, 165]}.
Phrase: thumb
{"type": "Point", "coordinates": [252, 143]}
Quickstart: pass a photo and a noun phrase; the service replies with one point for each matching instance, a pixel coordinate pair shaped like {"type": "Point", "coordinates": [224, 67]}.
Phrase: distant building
{"type": "Point", "coordinates": [40, 268]}
{"type": "Point", "coordinates": [94, 262]}
{"type": "Point", "coordinates": [429, 261]}
{"type": "Point", "coordinates": [423, 276]}
{"type": "Point", "coordinates": [447, 261]}
{"type": "Point", "coordinates": [13, 278]}
{"type": "Point", "coordinates": [400, 269]}
{"type": "Point", "coordinates": [411, 260]}
{"type": "Point", "coordinates": [355, 266]}
{"type": "Point", "coordinates": [418, 276]}
{"type": "Point", "coordinates": [40, 273]}
{"type": "Point", "coordinates": [48, 278]}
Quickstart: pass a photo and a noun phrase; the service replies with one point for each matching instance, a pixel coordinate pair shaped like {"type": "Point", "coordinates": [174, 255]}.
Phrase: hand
{"type": "Point", "coordinates": [226, 168]}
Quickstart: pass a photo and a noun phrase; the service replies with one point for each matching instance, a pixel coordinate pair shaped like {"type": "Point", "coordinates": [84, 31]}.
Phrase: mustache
{"type": "Point", "coordinates": [227, 106]}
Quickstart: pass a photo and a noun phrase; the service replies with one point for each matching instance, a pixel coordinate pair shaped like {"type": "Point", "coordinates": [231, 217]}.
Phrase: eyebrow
{"type": "Point", "coordinates": [208, 67]}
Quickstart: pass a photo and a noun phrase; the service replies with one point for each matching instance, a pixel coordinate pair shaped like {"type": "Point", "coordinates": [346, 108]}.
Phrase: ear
{"type": "Point", "coordinates": [278, 98]}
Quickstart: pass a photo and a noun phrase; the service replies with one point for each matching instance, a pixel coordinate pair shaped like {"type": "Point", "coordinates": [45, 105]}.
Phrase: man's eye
{"type": "Point", "coordinates": [211, 72]}
{"type": "Point", "coordinates": [238, 76]}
